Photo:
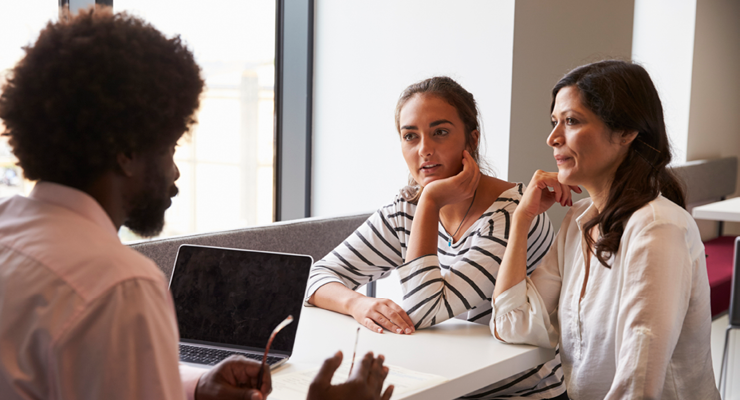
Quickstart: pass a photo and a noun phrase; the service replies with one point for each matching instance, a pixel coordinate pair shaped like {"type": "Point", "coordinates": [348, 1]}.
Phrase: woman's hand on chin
{"type": "Point", "coordinates": [376, 314]}
{"type": "Point", "coordinates": [543, 191]}
{"type": "Point", "coordinates": [456, 188]}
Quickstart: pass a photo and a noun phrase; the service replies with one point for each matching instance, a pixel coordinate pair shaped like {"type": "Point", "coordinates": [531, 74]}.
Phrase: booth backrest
{"type": "Point", "coordinates": [313, 236]}
{"type": "Point", "coordinates": [705, 180]}
{"type": "Point", "coordinates": [708, 180]}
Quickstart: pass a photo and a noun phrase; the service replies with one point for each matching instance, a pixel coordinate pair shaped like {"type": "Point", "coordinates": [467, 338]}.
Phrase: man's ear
{"type": "Point", "coordinates": [126, 164]}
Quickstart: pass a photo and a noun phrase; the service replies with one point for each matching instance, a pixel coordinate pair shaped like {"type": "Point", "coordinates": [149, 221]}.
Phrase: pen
{"type": "Point", "coordinates": [354, 352]}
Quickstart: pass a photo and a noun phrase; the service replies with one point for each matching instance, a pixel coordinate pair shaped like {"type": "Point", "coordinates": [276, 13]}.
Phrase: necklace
{"type": "Point", "coordinates": [449, 241]}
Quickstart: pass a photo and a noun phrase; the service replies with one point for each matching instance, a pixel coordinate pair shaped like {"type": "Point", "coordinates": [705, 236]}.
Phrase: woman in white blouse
{"type": "Point", "coordinates": [624, 288]}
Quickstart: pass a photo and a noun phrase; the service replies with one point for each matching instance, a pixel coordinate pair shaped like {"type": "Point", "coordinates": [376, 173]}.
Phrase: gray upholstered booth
{"type": "Point", "coordinates": [313, 236]}
{"type": "Point", "coordinates": [708, 180]}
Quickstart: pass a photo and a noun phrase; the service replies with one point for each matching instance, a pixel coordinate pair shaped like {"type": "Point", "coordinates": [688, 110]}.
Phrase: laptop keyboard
{"type": "Point", "coordinates": [209, 356]}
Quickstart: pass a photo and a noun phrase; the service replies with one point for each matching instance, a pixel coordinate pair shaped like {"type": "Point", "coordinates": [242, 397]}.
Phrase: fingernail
{"type": "Point", "coordinates": [256, 396]}
{"type": "Point", "coordinates": [380, 330]}
{"type": "Point", "coordinates": [408, 330]}
{"type": "Point", "coordinates": [398, 330]}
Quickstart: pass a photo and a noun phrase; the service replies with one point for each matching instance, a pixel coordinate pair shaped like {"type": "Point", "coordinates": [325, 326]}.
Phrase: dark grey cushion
{"type": "Point", "coordinates": [707, 180]}
{"type": "Point", "coordinates": [313, 236]}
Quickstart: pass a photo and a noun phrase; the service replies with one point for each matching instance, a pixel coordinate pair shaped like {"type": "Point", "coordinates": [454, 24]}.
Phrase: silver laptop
{"type": "Point", "coordinates": [228, 301]}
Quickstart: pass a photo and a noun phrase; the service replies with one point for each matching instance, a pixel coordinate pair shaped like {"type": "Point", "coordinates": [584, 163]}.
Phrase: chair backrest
{"type": "Point", "coordinates": [734, 313]}
{"type": "Point", "coordinates": [313, 236]}
{"type": "Point", "coordinates": [708, 180]}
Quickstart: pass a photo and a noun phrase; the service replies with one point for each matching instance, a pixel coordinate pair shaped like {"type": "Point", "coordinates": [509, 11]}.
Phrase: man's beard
{"type": "Point", "coordinates": [146, 217]}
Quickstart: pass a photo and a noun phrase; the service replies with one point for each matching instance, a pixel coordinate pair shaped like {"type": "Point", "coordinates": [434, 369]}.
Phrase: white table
{"type": "Point", "coordinates": [463, 352]}
{"type": "Point", "coordinates": [726, 210]}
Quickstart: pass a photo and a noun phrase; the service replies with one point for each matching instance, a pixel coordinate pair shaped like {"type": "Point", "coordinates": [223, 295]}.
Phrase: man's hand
{"type": "Point", "coordinates": [234, 378]}
{"type": "Point", "coordinates": [365, 383]}
{"type": "Point", "coordinates": [376, 314]}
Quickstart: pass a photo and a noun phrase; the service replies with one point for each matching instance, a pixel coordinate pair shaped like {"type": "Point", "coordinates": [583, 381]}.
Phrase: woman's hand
{"type": "Point", "coordinates": [455, 188]}
{"type": "Point", "coordinates": [366, 381]}
{"type": "Point", "coordinates": [538, 197]}
{"type": "Point", "coordinates": [376, 314]}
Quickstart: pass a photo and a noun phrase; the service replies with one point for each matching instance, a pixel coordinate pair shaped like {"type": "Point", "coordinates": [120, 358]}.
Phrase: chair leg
{"type": "Point", "coordinates": [371, 289]}
{"type": "Point", "coordinates": [723, 366]}
{"type": "Point", "coordinates": [725, 360]}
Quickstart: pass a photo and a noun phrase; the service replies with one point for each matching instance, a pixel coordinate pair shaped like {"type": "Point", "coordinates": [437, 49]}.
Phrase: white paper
{"type": "Point", "coordinates": [294, 386]}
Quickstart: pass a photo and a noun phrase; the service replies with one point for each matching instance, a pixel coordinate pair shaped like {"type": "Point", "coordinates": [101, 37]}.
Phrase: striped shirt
{"type": "Point", "coordinates": [457, 282]}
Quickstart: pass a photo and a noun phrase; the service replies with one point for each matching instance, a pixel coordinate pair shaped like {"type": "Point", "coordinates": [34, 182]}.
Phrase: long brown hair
{"type": "Point", "coordinates": [623, 96]}
{"type": "Point", "coordinates": [450, 91]}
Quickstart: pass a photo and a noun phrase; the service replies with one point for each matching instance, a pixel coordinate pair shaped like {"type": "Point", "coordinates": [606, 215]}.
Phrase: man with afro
{"type": "Point", "coordinates": [93, 112]}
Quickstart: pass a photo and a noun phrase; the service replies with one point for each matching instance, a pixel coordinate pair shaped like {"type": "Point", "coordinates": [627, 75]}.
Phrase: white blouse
{"type": "Point", "coordinates": [642, 329]}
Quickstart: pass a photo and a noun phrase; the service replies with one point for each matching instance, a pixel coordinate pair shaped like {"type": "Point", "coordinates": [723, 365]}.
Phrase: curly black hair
{"type": "Point", "coordinates": [93, 87]}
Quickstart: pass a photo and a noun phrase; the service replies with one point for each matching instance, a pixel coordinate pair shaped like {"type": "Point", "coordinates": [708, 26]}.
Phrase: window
{"type": "Point", "coordinates": [248, 161]}
{"type": "Point", "coordinates": [227, 162]}
{"type": "Point", "coordinates": [20, 24]}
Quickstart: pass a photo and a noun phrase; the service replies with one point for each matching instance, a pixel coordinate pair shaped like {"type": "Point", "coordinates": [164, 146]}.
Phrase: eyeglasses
{"type": "Point", "coordinates": [277, 329]}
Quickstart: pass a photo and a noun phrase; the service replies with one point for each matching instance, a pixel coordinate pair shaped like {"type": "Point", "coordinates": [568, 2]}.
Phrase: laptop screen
{"type": "Point", "coordinates": [237, 297]}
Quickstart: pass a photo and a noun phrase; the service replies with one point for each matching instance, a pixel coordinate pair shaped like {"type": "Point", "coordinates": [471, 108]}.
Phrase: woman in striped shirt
{"type": "Point", "coordinates": [445, 234]}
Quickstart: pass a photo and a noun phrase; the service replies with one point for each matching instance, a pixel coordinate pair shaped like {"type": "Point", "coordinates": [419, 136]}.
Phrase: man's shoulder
{"type": "Point", "coordinates": [77, 251]}
{"type": "Point", "coordinates": [95, 271]}
{"type": "Point", "coordinates": [123, 263]}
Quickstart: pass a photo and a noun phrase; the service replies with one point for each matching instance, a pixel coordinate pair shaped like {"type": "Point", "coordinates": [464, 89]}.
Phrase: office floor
{"type": "Point", "coordinates": [719, 327]}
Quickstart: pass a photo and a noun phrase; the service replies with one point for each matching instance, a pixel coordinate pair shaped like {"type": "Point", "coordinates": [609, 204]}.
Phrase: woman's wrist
{"type": "Point", "coordinates": [336, 297]}
{"type": "Point", "coordinates": [427, 201]}
{"type": "Point", "coordinates": [351, 302]}
{"type": "Point", "coordinates": [522, 219]}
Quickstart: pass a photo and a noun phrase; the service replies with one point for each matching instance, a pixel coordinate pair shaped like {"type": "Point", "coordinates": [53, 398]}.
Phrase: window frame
{"type": "Point", "coordinates": [293, 108]}
{"type": "Point", "coordinates": [294, 35]}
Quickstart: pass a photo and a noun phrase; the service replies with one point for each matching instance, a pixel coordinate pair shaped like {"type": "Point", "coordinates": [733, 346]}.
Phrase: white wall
{"type": "Point", "coordinates": [714, 120]}
{"type": "Point", "coordinates": [366, 53]}
{"type": "Point", "coordinates": [509, 55]}
{"type": "Point", "coordinates": [551, 38]}
{"type": "Point", "coordinates": [663, 43]}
